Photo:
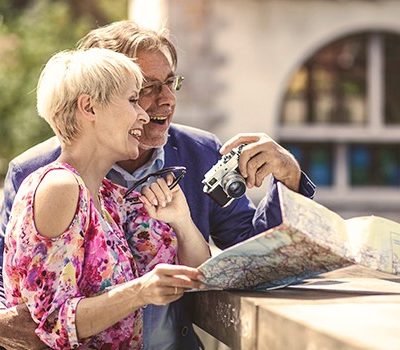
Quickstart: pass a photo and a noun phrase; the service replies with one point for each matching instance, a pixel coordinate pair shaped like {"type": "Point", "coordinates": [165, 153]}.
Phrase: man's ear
{"type": "Point", "coordinates": [85, 106]}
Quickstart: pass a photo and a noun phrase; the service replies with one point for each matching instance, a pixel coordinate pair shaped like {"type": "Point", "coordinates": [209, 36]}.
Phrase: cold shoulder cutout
{"type": "Point", "coordinates": [56, 202]}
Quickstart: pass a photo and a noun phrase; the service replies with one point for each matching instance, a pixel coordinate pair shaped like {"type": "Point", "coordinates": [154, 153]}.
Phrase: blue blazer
{"type": "Point", "coordinates": [198, 151]}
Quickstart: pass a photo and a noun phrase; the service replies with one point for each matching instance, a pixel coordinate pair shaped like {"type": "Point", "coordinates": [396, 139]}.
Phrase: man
{"type": "Point", "coordinates": [164, 144]}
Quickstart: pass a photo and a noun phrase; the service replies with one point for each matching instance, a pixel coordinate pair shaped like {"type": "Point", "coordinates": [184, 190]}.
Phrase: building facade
{"type": "Point", "coordinates": [319, 76]}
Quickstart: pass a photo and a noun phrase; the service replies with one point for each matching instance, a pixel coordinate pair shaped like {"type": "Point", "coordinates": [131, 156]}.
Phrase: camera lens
{"type": "Point", "coordinates": [234, 185]}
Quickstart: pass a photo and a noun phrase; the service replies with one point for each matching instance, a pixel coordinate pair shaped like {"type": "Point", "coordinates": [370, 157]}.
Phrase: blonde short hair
{"type": "Point", "coordinates": [100, 73]}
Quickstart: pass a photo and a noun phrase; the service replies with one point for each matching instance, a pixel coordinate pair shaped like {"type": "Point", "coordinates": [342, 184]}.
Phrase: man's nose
{"type": "Point", "coordinates": [167, 94]}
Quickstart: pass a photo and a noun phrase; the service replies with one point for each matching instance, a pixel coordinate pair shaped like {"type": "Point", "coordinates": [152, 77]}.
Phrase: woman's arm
{"type": "Point", "coordinates": [44, 255]}
{"type": "Point", "coordinates": [163, 285]}
{"type": "Point", "coordinates": [171, 206]}
{"type": "Point", "coordinates": [95, 314]}
{"type": "Point", "coordinates": [193, 249]}
{"type": "Point", "coordinates": [57, 253]}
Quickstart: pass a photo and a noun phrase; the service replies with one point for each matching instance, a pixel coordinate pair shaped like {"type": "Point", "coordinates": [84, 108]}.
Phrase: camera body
{"type": "Point", "coordinates": [223, 181]}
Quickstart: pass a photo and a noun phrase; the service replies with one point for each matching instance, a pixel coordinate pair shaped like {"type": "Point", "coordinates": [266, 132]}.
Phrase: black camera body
{"type": "Point", "coordinates": [223, 181]}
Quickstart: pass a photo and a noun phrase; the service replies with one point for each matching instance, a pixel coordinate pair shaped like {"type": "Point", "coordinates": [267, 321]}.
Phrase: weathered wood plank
{"type": "Point", "coordinates": [306, 319]}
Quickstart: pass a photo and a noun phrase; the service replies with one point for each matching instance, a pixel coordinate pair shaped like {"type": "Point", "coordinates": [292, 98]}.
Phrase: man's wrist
{"type": "Point", "coordinates": [294, 182]}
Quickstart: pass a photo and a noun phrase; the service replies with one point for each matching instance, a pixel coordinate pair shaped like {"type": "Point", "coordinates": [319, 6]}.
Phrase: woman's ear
{"type": "Point", "coordinates": [85, 106]}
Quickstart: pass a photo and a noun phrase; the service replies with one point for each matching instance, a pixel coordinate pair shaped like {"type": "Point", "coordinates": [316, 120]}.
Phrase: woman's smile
{"type": "Point", "coordinates": [136, 133]}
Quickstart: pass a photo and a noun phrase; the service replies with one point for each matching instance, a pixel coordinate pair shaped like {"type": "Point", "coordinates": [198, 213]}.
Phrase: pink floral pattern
{"type": "Point", "coordinates": [150, 241]}
{"type": "Point", "coordinates": [52, 275]}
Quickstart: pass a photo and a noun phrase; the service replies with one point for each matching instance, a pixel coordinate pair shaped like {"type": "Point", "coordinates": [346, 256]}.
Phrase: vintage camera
{"type": "Point", "coordinates": [223, 182]}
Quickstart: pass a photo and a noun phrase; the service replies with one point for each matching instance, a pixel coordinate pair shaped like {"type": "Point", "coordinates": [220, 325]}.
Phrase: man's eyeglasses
{"type": "Point", "coordinates": [173, 83]}
{"type": "Point", "coordinates": [177, 171]}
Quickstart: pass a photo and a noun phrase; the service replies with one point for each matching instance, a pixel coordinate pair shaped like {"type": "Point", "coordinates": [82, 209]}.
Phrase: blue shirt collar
{"type": "Point", "coordinates": [122, 177]}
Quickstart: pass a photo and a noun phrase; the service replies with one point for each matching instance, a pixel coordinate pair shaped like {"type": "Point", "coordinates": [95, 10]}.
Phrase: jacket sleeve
{"type": "Point", "coordinates": [18, 169]}
{"type": "Point", "coordinates": [9, 191]}
{"type": "Point", "coordinates": [241, 220]}
{"type": "Point", "coordinates": [268, 213]}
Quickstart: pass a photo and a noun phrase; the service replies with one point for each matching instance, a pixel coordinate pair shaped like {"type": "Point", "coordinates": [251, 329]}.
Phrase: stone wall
{"type": "Point", "coordinates": [238, 55]}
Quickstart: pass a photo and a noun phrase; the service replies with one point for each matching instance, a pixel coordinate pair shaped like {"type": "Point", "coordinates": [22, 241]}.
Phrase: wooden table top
{"type": "Point", "coordinates": [350, 308]}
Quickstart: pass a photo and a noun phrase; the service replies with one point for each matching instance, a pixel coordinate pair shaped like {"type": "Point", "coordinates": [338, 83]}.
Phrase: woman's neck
{"type": "Point", "coordinates": [91, 169]}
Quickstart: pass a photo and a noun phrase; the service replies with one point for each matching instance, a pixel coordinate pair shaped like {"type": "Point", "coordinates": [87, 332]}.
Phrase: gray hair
{"type": "Point", "coordinates": [128, 38]}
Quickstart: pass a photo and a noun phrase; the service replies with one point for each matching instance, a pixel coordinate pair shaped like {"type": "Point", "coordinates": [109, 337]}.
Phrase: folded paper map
{"type": "Point", "coordinates": [311, 240]}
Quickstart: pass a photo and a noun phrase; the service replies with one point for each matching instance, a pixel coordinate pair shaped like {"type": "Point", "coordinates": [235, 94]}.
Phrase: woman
{"type": "Point", "coordinates": [66, 256]}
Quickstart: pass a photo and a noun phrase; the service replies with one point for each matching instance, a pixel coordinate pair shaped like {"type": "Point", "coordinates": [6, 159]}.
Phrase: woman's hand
{"type": "Point", "coordinates": [167, 283]}
{"type": "Point", "coordinates": [170, 206]}
{"type": "Point", "coordinates": [164, 204]}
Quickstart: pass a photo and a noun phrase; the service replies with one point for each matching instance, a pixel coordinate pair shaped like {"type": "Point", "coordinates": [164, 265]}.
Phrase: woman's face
{"type": "Point", "coordinates": [120, 125]}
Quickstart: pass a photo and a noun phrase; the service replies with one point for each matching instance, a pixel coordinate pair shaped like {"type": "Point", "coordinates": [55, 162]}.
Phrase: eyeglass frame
{"type": "Point", "coordinates": [173, 169]}
{"type": "Point", "coordinates": [156, 86]}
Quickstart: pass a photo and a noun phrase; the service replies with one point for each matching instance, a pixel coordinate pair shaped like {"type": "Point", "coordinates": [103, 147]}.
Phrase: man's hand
{"type": "Point", "coordinates": [263, 156]}
{"type": "Point", "coordinates": [17, 329]}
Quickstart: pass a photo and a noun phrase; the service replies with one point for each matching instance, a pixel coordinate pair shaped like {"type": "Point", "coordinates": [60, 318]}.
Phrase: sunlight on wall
{"type": "Point", "coordinates": [150, 14]}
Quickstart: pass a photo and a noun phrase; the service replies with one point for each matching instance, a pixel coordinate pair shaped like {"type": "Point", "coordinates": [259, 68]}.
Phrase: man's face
{"type": "Point", "coordinates": [159, 104]}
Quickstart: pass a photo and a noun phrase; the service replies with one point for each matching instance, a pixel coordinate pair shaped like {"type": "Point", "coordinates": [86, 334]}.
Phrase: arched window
{"type": "Point", "coordinates": [340, 115]}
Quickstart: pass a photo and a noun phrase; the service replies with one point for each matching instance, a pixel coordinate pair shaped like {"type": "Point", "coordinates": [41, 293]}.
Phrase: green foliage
{"type": "Point", "coordinates": [30, 32]}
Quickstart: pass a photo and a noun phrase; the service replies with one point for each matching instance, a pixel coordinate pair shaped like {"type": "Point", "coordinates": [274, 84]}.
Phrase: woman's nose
{"type": "Point", "coordinates": [143, 116]}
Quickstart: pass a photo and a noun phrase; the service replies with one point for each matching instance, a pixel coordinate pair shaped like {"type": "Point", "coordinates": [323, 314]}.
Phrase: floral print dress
{"type": "Point", "coordinates": [51, 275]}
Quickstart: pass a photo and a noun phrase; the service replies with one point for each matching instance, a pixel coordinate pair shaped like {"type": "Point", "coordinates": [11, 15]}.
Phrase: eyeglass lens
{"type": "Point", "coordinates": [174, 84]}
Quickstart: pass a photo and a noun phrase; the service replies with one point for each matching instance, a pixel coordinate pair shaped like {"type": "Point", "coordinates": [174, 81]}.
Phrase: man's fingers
{"type": "Point", "coordinates": [250, 160]}
{"type": "Point", "coordinates": [251, 167]}
{"type": "Point", "coordinates": [262, 156]}
{"type": "Point", "coordinates": [262, 173]}
{"type": "Point", "coordinates": [238, 140]}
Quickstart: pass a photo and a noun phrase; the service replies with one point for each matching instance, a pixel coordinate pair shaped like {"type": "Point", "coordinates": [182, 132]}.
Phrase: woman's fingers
{"type": "Point", "coordinates": [181, 282]}
{"type": "Point", "coordinates": [182, 277]}
{"type": "Point", "coordinates": [166, 283]}
{"type": "Point", "coordinates": [149, 194]}
{"type": "Point", "coordinates": [169, 179]}
{"type": "Point", "coordinates": [179, 270]}
{"type": "Point", "coordinates": [158, 193]}
{"type": "Point", "coordinates": [179, 276]}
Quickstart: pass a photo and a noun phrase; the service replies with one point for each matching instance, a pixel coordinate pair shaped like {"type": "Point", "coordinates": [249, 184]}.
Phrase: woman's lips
{"type": "Point", "coordinates": [136, 133]}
